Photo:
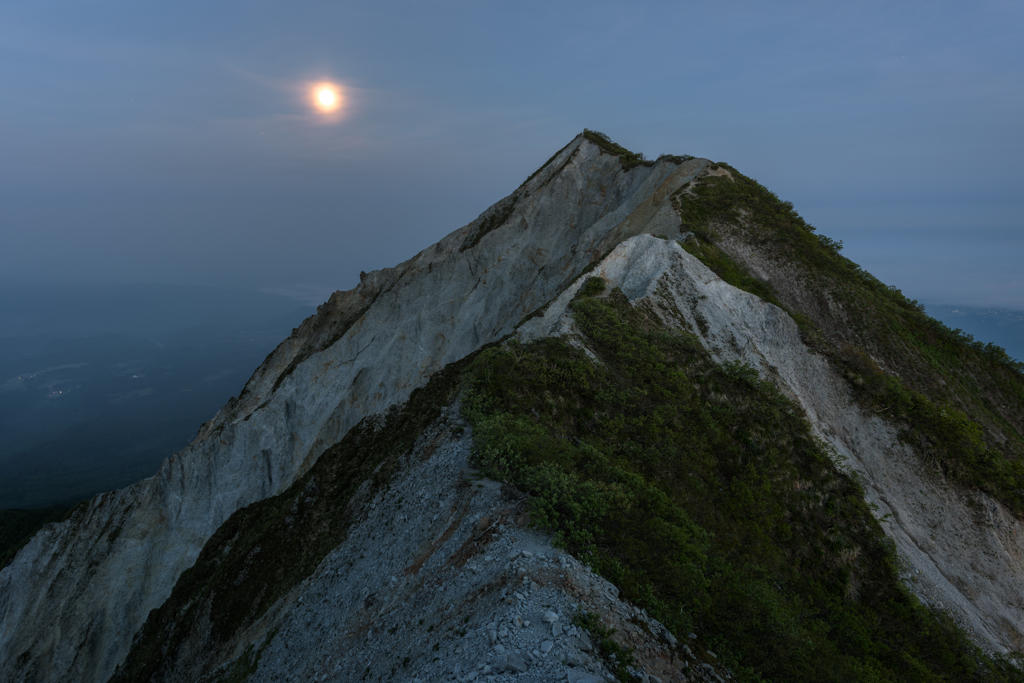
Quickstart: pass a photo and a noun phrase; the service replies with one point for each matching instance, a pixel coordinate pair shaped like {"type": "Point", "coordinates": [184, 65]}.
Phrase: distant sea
{"type": "Point", "coordinates": [100, 383]}
{"type": "Point", "coordinates": [1000, 326]}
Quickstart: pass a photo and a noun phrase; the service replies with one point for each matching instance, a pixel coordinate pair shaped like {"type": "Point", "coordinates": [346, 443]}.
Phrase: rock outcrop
{"type": "Point", "coordinates": [964, 552]}
{"type": "Point", "coordinates": [437, 577]}
{"type": "Point", "coordinates": [72, 599]}
{"type": "Point", "coordinates": [461, 589]}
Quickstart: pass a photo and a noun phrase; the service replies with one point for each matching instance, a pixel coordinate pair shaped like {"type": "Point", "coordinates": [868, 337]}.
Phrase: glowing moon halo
{"type": "Point", "coordinates": [326, 97]}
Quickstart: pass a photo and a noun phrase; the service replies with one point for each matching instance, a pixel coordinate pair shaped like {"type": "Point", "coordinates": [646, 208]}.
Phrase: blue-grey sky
{"type": "Point", "coordinates": [174, 142]}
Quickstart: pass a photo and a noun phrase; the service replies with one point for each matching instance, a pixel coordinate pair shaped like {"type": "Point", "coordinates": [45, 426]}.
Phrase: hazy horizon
{"type": "Point", "coordinates": [918, 266]}
{"type": "Point", "coordinates": [144, 144]}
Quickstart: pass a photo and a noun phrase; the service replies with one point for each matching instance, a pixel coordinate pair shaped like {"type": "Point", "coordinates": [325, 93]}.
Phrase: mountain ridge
{"type": "Point", "coordinates": [517, 267]}
{"type": "Point", "coordinates": [196, 490]}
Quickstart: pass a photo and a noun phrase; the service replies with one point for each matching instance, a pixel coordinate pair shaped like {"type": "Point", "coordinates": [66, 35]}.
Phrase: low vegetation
{"type": "Point", "coordinates": [617, 658]}
{"type": "Point", "coordinates": [736, 275]}
{"type": "Point", "coordinates": [626, 158]}
{"type": "Point", "coordinates": [958, 402]}
{"type": "Point", "coordinates": [697, 488]}
{"type": "Point", "coordinates": [498, 216]}
{"type": "Point", "coordinates": [741, 203]}
{"type": "Point", "coordinates": [701, 492]}
{"type": "Point", "coordinates": [265, 549]}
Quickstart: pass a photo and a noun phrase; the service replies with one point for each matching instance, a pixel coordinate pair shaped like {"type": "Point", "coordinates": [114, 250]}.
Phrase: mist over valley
{"type": "Point", "coordinates": [99, 384]}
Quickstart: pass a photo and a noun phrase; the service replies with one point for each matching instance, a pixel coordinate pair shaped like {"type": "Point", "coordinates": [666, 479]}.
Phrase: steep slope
{"type": "Point", "coordinates": [73, 597]}
{"type": "Point", "coordinates": [414, 558]}
{"type": "Point", "coordinates": [962, 548]}
{"type": "Point", "coordinates": [436, 575]}
{"type": "Point", "coordinates": [900, 362]}
{"type": "Point", "coordinates": [711, 445]}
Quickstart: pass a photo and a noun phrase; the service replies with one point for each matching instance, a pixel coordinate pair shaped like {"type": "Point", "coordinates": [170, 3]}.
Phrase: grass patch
{"type": "Point", "coordinates": [628, 159]}
{"type": "Point", "coordinates": [676, 158]}
{"type": "Point", "coordinates": [618, 658]}
{"type": "Point", "coordinates": [944, 436]}
{"type": "Point", "coordinates": [959, 403]}
{"type": "Point", "coordinates": [730, 271]}
{"type": "Point", "coordinates": [592, 287]}
{"type": "Point", "coordinates": [497, 217]}
{"type": "Point", "coordinates": [700, 491]}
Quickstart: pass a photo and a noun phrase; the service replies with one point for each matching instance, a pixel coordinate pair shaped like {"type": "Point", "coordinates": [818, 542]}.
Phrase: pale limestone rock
{"type": "Point", "coordinates": [959, 559]}
{"type": "Point", "coordinates": [75, 595]}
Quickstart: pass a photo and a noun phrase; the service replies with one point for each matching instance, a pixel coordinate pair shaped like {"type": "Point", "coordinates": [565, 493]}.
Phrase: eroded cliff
{"type": "Point", "coordinates": [385, 534]}
{"type": "Point", "coordinates": [75, 595]}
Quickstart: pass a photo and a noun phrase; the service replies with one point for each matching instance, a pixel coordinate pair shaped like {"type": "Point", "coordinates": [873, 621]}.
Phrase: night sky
{"type": "Point", "coordinates": [177, 142]}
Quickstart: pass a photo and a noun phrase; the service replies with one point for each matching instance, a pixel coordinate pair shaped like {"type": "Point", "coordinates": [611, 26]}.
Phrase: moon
{"type": "Point", "coordinates": [326, 97]}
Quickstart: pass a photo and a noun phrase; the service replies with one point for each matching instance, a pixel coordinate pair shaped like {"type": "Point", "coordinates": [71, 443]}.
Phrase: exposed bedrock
{"type": "Point", "coordinates": [964, 552]}
{"type": "Point", "coordinates": [74, 596]}
{"type": "Point", "coordinates": [440, 579]}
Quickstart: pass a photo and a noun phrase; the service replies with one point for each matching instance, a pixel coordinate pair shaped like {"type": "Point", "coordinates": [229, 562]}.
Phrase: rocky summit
{"type": "Point", "coordinates": [637, 421]}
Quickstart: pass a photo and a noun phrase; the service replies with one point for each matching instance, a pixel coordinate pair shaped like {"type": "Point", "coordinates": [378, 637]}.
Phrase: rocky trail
{"type": "Point", "coordinates": [443, 580]}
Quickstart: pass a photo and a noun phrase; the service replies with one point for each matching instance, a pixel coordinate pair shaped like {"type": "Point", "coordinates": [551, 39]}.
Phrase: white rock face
{"type": "Point", "coordinates": [439, 557]}
{"type": "Point", "coordinates": [963, 554]}
{"type": "Point", "coordinates": [75, 595]}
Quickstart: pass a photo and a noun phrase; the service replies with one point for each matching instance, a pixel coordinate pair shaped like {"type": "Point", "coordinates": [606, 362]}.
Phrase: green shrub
{"type": "Point", "coordinates": [675, 158]}
{"type": "Point", "coordinates": [268, 547]}
{"type": "Point", "coordinates": [592, 287]}
{"type": "Point", "coordinates": [618, 658]}
{"type": "Point", "coordinates": [730, 271]}
{"type": "Point", "coordinates": [959, 403]}
{"type": "Point", "coordinates": [628, 159]}
{"type": "Point", "coordinates": [701, 492]}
